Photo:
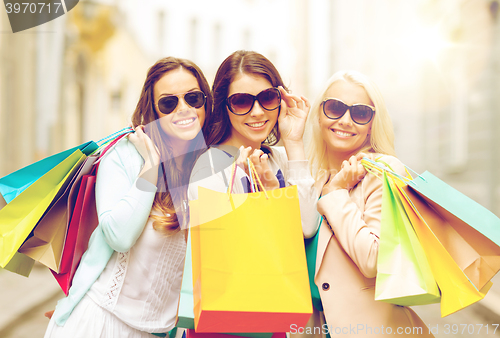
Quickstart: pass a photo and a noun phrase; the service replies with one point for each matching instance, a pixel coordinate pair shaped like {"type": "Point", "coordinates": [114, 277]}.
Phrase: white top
{"type": "Point", "coordinates": [142, 286]}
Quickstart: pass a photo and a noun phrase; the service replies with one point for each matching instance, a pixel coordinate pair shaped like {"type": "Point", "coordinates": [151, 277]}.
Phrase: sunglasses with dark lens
{"type": "Point", "coordinates": [167, 104]}
{"type": "Point", "coordinates": [242, 103]}
{"type": "Point", "coordinates": [360, 113]}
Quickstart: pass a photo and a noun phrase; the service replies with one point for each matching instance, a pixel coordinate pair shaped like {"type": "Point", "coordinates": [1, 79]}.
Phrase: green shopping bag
{"type": "Point", "coordinates": [19, 216]}
{"type": "Point", "coordinates": [15, 183]}
{"type": "Point", "coordinates": [404, 276]}
{"type": "Point", "coordinates": [311, 246]}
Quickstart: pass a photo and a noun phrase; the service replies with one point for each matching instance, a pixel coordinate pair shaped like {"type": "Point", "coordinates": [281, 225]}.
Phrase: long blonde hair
{"type": "Point", "coordinates": [382, 134]}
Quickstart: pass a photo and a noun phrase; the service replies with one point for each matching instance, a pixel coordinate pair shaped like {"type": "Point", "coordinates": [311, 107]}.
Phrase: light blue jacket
{"type": "Point", "coordinates": [124, 203]}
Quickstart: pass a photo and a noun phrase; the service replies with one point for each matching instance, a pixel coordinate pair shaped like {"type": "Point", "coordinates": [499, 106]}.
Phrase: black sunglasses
{"type": "Point", "coordinates": [242, 103]}
{"type": "Point", "coordinates": [167, 104]}
{"type": "Point", "coordinates": [360, 113]}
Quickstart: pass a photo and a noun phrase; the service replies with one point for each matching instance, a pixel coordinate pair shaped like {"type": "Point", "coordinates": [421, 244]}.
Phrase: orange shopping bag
{"type": "Point", "coordinates": [249, 264]}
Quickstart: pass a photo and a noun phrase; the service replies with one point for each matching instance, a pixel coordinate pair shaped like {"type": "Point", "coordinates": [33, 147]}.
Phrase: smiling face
{"type": "Point", "coordinates": [253, 128]}
{"type": "Point", "coordinates": [184, 123]}
{"type": "Point", "coordinates": [344, 137]}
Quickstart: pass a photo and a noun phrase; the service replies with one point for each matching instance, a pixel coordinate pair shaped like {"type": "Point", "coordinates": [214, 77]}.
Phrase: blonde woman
{"type": "Point", "coordinates": [349, 120]}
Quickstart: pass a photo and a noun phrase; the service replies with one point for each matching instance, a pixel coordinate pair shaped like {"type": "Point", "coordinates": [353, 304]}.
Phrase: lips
{"type": "Point", "coordinates": [184, 122]}
{"type": "Point", "coordinates": [342, 133]}
{"type": "Point", "coordinates": [256, 124]}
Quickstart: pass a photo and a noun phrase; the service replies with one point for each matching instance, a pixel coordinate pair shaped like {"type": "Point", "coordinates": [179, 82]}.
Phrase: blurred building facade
{"type": "Point", "coordinates": [460, 116]}
{"type": "Point", "coordinates": [17, 93]}
{"type": "Point", "coordinates": [70, 80]}
{"type": "Point", "coordinates": [437, 64]}
{"type": "Point", "coordinates": [79, 77]}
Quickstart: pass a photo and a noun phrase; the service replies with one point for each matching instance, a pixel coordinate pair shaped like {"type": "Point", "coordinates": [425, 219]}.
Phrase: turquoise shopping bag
{"type": "Point", "coordinates": [451, 203]}
{"type": "Point", "coordinates": [15, 183]}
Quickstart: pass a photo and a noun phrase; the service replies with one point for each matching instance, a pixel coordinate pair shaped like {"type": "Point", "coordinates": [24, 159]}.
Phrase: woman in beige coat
{"type": "Point", "coordinates": [349, 121]}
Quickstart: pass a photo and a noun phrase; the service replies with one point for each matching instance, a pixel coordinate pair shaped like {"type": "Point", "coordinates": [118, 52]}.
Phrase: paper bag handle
{"type": "Point", "coordinates": [254, 178]}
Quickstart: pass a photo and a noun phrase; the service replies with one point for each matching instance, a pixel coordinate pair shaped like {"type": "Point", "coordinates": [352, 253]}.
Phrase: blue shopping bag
{"type": "Point", "coordinates": [15, 183]}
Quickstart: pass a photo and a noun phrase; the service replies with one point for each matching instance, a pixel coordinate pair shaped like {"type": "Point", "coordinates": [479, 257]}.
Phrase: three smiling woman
{"type": "Point", "coordinates": [129, 280]}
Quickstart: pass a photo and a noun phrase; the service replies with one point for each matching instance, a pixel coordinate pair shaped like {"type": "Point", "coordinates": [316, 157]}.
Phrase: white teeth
{"type": "Point", "coordinates": [188, 121]}
{"type": "Point", "coordinates": [256, 125]}
{"type": "Point", "coordinates": [341, 133]}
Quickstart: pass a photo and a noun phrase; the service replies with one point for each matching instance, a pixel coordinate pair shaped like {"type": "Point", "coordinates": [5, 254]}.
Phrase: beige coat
{"type": "Point", "coordinates": [346, 264]}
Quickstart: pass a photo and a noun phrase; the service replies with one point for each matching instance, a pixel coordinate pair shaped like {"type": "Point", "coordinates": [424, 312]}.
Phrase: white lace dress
{"type": "Point", "coordinates": [136, 294]}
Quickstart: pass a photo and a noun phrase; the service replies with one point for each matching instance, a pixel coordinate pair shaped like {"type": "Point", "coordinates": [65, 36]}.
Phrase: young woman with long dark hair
{"type": "Point", "coordinates": [129, 279]}
{"type": "Point", "coordinates": [253, 111]}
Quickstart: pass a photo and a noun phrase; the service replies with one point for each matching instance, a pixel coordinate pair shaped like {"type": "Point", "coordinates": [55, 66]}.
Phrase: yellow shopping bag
{"type": "Point", "coordinates": [47, 240]}
{"type": "Point", "coordinates": [19, 217]}
{"type": "Point", "coordinates": [457, 291]}
{"type": "Point", "coordinates": [249, 263]}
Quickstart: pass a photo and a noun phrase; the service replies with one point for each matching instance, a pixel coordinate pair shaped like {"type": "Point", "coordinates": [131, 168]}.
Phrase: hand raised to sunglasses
{"type": "Point", "coordinates": [292, 120]}
{"type": "Point", "coordinates": [259, 160]}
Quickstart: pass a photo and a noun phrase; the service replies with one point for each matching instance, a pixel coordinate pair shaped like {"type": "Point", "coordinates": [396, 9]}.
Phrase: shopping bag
{"type": "Point", "coordinates": [19, 216]}
{"type": "Point", "coordinates": [185, 313]}
{"type": "Point", "coordinates": [82, 213]}
{"type": "Point", "coordinates": [457, 291]}
{"type": "Point", "coordinates": [83, 222]}
{"type": "Point", "coordinates": [474, 252]}
{"type": "Point", "coordinates": [15, 183]}
{"type": "Point", "coordinates": [20, 264]}
{"type": "Point", "coordinates": [471, 234]}
{"type": "Point", "coordinates": [249, 253]}
{"type": "Point", "coordinates": [190, 333]}
{"type": "Point", "coordinates": [46, 242]}
{"type": "Point", "coordinates": [404, 276]}
{"type": "Point", "coordinates": [311, 247]}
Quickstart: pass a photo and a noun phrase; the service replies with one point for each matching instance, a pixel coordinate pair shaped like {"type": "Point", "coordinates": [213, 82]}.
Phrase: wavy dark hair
{"type": "Point", "coordinates": [145, 114]}
{"type": "Point", "coordinates": [217, 127]}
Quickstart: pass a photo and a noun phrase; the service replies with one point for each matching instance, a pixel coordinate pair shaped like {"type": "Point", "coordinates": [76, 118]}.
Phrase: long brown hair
{"type": "Point", "coordinates": [218, 126]}
{"type": "Point", "coordinates": [145, 114]}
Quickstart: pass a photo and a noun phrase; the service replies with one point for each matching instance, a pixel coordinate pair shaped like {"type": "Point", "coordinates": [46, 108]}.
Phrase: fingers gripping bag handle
{"type": "Point", "coordinates": [378, 167]}
{"type": "Point", "coordinates": [254, 178]}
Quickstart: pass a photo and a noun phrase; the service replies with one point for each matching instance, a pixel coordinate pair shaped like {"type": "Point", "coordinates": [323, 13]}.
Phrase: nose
{"type": "Point", "coordinates": [257, 110]}
{"type": "Point", "coordinates": [346, 118]}
{"type": "Point", "coordinates": [182, 106]}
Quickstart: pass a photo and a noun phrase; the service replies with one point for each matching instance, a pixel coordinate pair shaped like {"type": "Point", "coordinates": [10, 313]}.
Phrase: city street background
{"type": "Point", "coordinates": [437, 63]}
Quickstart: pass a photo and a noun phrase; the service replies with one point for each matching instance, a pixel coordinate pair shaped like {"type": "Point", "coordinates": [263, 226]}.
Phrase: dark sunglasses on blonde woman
{"type": "Point", "coordinates": [242, 103]}
{"type": "Point", "coordinates": [167, 104]}
{"type": "Point", "coordinates": [360, 113]}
